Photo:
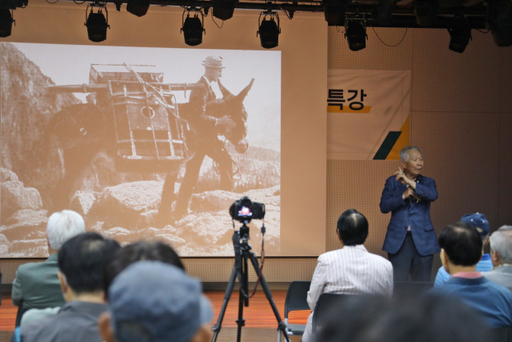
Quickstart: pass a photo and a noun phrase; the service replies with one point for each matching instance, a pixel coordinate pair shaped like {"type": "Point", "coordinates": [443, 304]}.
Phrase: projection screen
{"type": "Point", "coordinates": [117, 132]}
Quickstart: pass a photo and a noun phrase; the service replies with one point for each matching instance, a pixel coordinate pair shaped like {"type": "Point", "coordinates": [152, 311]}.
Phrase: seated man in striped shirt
{"type": "Point", "coordinates": [350, 269]}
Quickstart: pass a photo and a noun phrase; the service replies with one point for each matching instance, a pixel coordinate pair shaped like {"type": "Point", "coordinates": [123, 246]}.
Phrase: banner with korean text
{"type": "Point", "coordinates": [367, 113]}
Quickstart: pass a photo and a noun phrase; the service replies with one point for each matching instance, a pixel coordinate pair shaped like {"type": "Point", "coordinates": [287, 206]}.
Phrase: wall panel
{"type": "Point", "coordinates": [505, 167]}
{"type": "Point", "coordinates": [446, 81]}
{"type": "Point", "coordinates": [461, 154]}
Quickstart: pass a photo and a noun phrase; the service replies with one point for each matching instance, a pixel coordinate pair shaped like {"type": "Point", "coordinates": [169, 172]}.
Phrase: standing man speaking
{"type": "Point", "coordinates": [410, 239]}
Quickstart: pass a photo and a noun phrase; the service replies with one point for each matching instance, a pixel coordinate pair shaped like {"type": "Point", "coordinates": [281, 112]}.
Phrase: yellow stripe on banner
{"type": "Point", "coordinates": [402, 141]}
{"type": "Point", "coordinates": [346, 109]}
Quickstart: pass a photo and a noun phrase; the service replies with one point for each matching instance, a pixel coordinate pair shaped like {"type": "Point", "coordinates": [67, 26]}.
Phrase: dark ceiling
{"type": "Point", "coordinates": [401, 13]}
{"type": "Point", "coordinates": [495, 15]}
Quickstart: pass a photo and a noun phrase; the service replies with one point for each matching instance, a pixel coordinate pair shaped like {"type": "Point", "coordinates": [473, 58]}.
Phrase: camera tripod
{"type": "Point", "coordinates": [242, 255]}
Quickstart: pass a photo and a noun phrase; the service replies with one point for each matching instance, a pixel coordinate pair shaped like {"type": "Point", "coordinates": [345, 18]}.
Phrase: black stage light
{"type": "Point", "coordinates": [384, 12]}
{"type": "Point", "coordinates": [96, 23]}
{"type": "Point", "coordinates": [460, 34]}
{"type": "Point", "coordinates": [13, 4]}
{"type": "Point", "coordinates": [6, 21]}
{"type": "Point", "coordinates": [502, 35]}
{"type": "Point", "coordinates": [269, 29]}
{"type": "Point", "coordinates": [334, 12]}
{"type": "Point", "coordinates": [355, 32]}
{"type": "Point", "coordinates": [499, 21]}
{"type": "Point", "coordinates": [425, 12]}
{"type": "Point", "coordinates": [192, 26]}
{"type": "Point", "coordinates": [138, 7]}
{"type": "Point", "coordinates": [223, 9]}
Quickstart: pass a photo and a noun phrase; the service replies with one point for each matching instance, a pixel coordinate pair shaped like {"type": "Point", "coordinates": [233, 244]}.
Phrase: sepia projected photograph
{"type": "Point", "coordinates": [144, 143]}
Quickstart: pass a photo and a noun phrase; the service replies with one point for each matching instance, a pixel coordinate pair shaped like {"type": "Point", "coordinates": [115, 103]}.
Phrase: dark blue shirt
{"type": "Point", "coordinates": [492, 300]}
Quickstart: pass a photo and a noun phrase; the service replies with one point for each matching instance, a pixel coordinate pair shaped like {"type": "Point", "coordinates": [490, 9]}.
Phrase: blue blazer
{"type": "Point", "coordinates": [409, 212]}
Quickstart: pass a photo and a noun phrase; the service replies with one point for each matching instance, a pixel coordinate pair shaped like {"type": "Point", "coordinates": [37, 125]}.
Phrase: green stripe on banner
{"type": "Point", "coordinates": [387, 145]}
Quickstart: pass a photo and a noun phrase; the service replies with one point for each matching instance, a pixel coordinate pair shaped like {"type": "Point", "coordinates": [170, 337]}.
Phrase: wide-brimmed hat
{"type": "Point", "coordinates": [213, 62]}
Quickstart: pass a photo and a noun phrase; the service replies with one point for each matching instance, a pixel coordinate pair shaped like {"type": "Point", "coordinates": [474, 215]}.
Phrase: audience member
{"type": "Point", "coordinates": [36, 284]}
{"type": "Point", "coordinates": [142, 250]}
{"type": "Point", "coordinates": [430, 318]}
{"type": "Point", "coordinates": [81, 262]}
{"type": "Point", "coordinates": [151, 301]}
{"type": "Point", "coordinates": [461, 249]}
{"type": "Point", "coordinates": [481, 224]}
{"type": "Point", "coordinates": [501, 256]}
{"type": "Point", "coordinates": [350, 269]}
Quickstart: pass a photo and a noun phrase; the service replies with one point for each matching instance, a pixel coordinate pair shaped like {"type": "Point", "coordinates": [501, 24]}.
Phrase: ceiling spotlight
{"type": "Point", "coordinates": [269, 29]}
{"type": "Point", "coordinates": [334, 12]}
{"type": "Point", "coordinates": [13, 4]}
{"type": "Point", "coordinates": [425, 12]}
{"type": "Point", "coordinates": [223, 9]}
{"type": "Point", "coordinates": [355, 32]}
{"type": "Point", "coordinates": [6, 21]}
{"type": "Point", "coordinates": [384, 12]}
{"type": "Point", "coordinates": [499, 21]}
{"type": "Point", "coordinates": [138, 7]}
{"type": "Point", "coordinates": [96, 22]}
{"type": "Point", "coordinates": [460, 34]}
{"type": "Point", "coordinates": [192, 26]}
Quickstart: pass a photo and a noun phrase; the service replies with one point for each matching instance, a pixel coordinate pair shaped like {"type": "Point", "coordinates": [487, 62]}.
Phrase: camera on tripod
{"type": "Point", "coordinates": [244, 210]}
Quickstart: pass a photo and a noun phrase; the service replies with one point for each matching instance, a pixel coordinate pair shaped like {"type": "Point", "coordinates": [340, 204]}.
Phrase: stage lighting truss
{"type": "Point", "coordinates": [269, 29]}
{"type": "Point", "coordinates": [97, 22]}
{"type": "Point", "coordinates": [460, 34]}
{"type": "Point", "coordinates": [6, 21]}
{"type": "Point", "coordinates": [193, 26]}
{"type": "Point", "coordinates": [355, 32]}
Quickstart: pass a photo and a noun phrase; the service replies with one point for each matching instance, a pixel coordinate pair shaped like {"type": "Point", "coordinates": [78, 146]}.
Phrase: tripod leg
{"type": "Point", "coordinates": [281, 325]}
{"type": "Point", "coordinates": [240, 321]}
{"type": "Point", "coordinates": [216, 328]}
{"type": "Point", "coordinates": [242, 300]}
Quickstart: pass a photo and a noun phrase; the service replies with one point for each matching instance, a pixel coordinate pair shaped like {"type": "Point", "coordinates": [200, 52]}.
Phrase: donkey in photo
{"type": "Point", "coordinates": [201, 144]}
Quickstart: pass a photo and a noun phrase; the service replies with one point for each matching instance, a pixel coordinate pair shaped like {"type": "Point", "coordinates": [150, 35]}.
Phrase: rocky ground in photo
{"type": "Point", "coordinates": [128, 212]}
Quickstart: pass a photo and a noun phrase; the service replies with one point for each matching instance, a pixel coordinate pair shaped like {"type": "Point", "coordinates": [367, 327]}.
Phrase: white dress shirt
{"type": "Point", "coordinates": [349, 270]}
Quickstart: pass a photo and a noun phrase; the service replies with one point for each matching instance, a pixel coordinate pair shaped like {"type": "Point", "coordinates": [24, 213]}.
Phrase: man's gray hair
{"type": "Point", "coordinates": [501, 242]}
{"type": "Point", "coordinates": [62, 226]}
{"type": "Point", "coordinates": [404, 152]}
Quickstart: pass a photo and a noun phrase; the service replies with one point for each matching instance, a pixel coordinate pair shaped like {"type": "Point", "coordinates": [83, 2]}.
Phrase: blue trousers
{"type": "Point", "coordinates": [407, 261]}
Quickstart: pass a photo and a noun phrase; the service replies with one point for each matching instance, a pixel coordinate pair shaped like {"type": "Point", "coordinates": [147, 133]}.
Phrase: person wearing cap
{"type": "Point", "coordinates": [81, 262]}
{"type": "Point", "coordinates": [501, 256]}
{"type": "Point", "coordinates": [151, 301]}
{"type": "Point", "coordinates": [461, 249]}
{"type": "Point", "coordinates": [410, 240]}
{"type": "Point", "coordinates": [202, 138]}
{"type": "Point", "coordinates": [479, 221]}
